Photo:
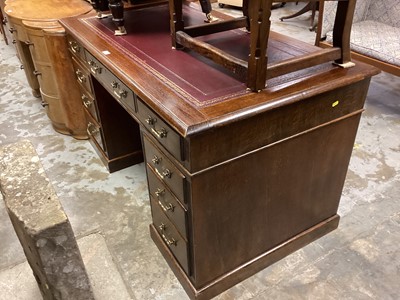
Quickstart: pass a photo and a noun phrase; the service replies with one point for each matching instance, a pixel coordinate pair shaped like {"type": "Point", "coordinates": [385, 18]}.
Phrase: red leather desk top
{"type": "Point", "coordinates": [198, 80]}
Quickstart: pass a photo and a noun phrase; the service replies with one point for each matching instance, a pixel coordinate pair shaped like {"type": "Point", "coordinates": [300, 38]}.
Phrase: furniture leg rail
{"type": "Point", "coordinates": [256, 17]}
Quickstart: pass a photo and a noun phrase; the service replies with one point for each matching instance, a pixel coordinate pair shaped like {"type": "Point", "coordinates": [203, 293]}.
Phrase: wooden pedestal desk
{"type": "Point", "coordinates": [237, 180]}
{"type": "Point", "coordinates": [43, 50]}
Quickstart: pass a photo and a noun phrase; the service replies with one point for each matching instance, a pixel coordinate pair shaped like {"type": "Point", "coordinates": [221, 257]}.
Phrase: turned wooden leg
{"type": "Point", "coordinates": [259, 13]}
{"type": "Point", "coordinates": [206, 8]}
{"type": "Point", "coordinates": [176, 20]}
{"type": "Point", "coordinates": [99, 6]}
{"type": "Point", "coordinates": [117, 11]}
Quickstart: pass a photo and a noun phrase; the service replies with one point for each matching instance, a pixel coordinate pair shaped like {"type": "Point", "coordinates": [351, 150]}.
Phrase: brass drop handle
{"type": "Point", "coordinates": [166, 208]}
{"type": "Point", "coordinates": [86, 101]}
{"type": "Point", "coordinates": [159, 192]}
{"type": "Point", "coordinates": [92, 129]}
{"type": "Point", "coordinates": [161, 133]}
{"type": "Point", "coordinates": [164, 174]}
{"type": "Point", "coordinates": [168, 241]}
{"type": "Point", "coordinates": [44, 104]}
{"type": "Point", "coordinates": [81, 77]}
{"type": "Point", "coordinates": [4, 21]}
{"type": "Point", "coordinates": [29, 43]}
{"type": "Point", "coordinates": [95, 70]}
{"type": "Point", "coordinates": [169, 207]}
{"type": "Point", "coordinates": [75, 47]}
{"type": "Point", "coordinates": [120, 94]}
{"type": "Point", "coordinates": [14, 41]}
{"type": "Point", "coordinates": [12, 30]}
{"type": "Point", "coordinates": [37, 73]}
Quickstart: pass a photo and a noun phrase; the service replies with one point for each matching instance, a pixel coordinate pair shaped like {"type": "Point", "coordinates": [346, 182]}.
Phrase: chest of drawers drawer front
{"type": "Point", "coordinates": [170, 235]}
{"type": "Point", "coordinates": [168, 203]}
{"type": "Point", "coordinates": [18, 31]}
{"type": "Point", "coordinates": [90, 104]}
{"type": "Point", "coordinates": [95, 132]}
{"type": "Point", "coordinates": [164, 169]}
{"type": "Point", "coordinates": [82, 75]}
{"type": "Point", "coordinates": [160, 130]}
{"type": "Point", "coordinates": [46, 78]}
{"type": "Point", "coordinates": [37, 45]}
{"type": "Point", "coordinates": [76, 48]}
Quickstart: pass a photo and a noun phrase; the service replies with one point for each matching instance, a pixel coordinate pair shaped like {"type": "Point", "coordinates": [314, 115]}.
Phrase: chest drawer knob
{"type": "Point", "coordinates": [156, 160]}
{"type": "Point", "coordinates": [150, 120]}
{"type": "Point", "coordinates": [167, 240]}
{"type": "Point", "coordinates": [114, 84]}
{"type": "Point", "coordinates": [29, 43]}
{"type": "Point", "coordinates": [12, 30]}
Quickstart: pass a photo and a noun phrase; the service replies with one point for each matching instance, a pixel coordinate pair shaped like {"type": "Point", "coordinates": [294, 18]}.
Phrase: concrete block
{"type": "Point", "coordinates": [41, 225]}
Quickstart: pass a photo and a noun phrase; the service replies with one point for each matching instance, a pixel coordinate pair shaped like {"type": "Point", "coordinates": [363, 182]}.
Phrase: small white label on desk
{"type": "Point", "coordinates": [106, 52]}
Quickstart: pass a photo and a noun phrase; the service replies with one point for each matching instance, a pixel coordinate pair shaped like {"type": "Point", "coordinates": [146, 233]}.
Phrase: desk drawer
{"type": "Point", "coordinates": [167, 202]}
{"type": "Point", "coordinates": [160, 130]}
{"type": "Point", "coordinates": [90, 104]}
{"type": "Point", "coordinates": [112, 84]}
{"type": "Point", "coordinates": [82, 75]}
{"type": "Point", "coordinates": [170, 235]}
{"type": "Point", "coordinates": [76, 48]}
{"type": "Point", "coordinates": [95, 132]}
{"type": "Point", "coordinates": [164, 169]}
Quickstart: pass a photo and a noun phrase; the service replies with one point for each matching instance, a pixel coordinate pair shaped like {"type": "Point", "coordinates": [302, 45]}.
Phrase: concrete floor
{"type": "Point", "coordinates": [110, 213]}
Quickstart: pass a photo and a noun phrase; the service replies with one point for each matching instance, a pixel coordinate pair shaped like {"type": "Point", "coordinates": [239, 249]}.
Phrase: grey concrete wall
{"type": "Point", "coordinates": [41, 225]}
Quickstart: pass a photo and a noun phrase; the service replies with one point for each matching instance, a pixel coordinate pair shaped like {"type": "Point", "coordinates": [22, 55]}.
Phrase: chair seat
{"type": "Point", "coordinates": [366, 38]}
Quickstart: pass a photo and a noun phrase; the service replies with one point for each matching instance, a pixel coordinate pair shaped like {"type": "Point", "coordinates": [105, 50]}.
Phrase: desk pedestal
{"type": "Point", "coordinates": [237, 180]}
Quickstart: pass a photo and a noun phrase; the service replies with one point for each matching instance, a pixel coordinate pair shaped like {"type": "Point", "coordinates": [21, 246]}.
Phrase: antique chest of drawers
{"type": "Point", "coordinates": [236, 180]}
{"type": "Point", "coordinates": [42, 48]}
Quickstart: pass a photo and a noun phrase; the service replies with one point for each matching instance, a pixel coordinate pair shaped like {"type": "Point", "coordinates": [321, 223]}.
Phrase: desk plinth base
{"type": "Point", "coordinates": [248, 269]}
{"type": "Point", "coordinates": [120, 162]}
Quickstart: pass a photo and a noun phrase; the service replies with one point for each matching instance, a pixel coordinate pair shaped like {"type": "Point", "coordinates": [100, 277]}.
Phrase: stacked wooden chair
{"type": "Point", "coordinates": [256, 18]}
